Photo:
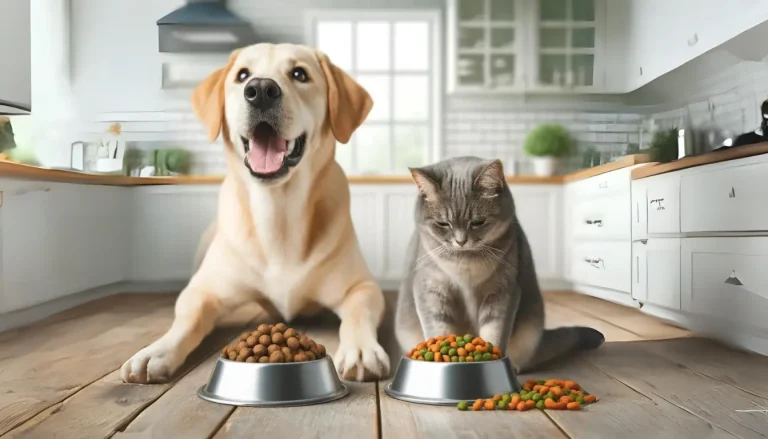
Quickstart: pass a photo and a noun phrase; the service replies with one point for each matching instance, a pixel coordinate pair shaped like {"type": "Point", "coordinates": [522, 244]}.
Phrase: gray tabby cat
{"type": "Point", "coordinates": [470, 268]}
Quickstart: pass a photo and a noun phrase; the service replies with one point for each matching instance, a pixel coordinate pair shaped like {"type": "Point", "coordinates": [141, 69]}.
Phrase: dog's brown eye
{"type": "Point", "coordinates": [242, 75]}
{"type": "Point", "coordinates": [299, 74]}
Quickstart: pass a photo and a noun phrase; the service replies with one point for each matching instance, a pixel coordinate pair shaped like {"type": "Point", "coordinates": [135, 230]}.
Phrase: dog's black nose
{"type": "Point", "coordinates": [262, 92]}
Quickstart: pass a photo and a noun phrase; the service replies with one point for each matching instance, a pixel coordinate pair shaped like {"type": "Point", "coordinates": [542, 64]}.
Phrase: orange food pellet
{"type": "Point", "coordinates": [549, 403]}
{"type": "Point", "coordinates": [589, 399]}
{"type": "Point", "coordinates": [454, 344]}
{"type": "Point", "coordinates": [494, 357]}
{"type": "Point", "coordinates": [434, 348]}
{"type": "Point", "coordinates": [469, 347]}
{"type": "Point", "coordinates": [550, 383]}
{"type": "Point", "coordinates": [527, 386]}
{"type": "Point", "coordinates": [572, 385]}
{"type": "Point", "coordinates": [565, 398]}
{"type": "Point", "coordinates": [478, 341]}
{"type": "Point", "coordinates": [489, 405]}
{"type": "Point", "coordinates": [560, 383]}
{"type": "Point", "coordinates": [452, 337]}
{"type": "Point", "coordinates": [420, 346]}
{"type": "Point", "coordinates": [497, 397]}
{"type": "Point", "coordinates": [514, 401]}
{"type": "Point", "coordinates": [482, 349]}
{"type": "Point", "coordinates": [415, 355]}
{"type": "Point", "coordinates": [461, 352]}
{"type": "Point", "coordinates": [560, 406]}
{"type": "Point", "coordinates": [438, 358]}
{"type": "Point", "coordinates": [531, 382]}
{"type": "Point", "coordinates": [496, 350]}
{"type": "Point", "coordinates": [469, 359]}
{"type": "Point", "coordinates": [557, 391]}
{"type": "Point", "coordinates": [543, 390]}
{"type": "Point", "coordinates": [440, 337]}
{"type": "Point", "coordinates": [431, 341]}
{"type": "Point", "coordinates": [530, 404]}
{"type": "Point", "coordinates": [477, 405]}
{"type": "Point", "coordinates": [573, 406]}
{"type": "Point", "coordinates": [420, 358]}
{"type": "Point", "coordinates": [446, 359]}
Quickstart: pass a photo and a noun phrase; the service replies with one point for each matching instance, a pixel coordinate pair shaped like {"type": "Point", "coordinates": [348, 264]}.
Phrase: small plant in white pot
{"type": "Point", "coordinates": [547, 144]}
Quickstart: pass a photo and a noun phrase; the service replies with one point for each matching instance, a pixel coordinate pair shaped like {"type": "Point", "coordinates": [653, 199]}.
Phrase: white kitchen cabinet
{"type": "Point", "coordinates": [516, 46]}
{"type": "Point", "coordinates": [602, 218]}
{"type": "Point", "coordinates": [603, 264]}
{"type": "Point", "coordinates": [726, 279]}
{"type": "Point", "coordinates": [59, 239]}
{"type": "Point", "coordinates": [663, 198]}
{"type": "Point", "coordinates": [639, 210]}
{"type": "Point", "coordinates": [727, 199]}
{"type": "Point", "coordinates": [16, 71]}
{"type": "Point", "coordinates": [656, 269]}
{"type": "Point", "coordinates": [639, 287]}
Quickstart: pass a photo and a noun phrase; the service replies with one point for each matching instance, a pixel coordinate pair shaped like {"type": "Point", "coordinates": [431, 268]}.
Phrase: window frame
{"type": "Point", "coordinates": [434, 152]}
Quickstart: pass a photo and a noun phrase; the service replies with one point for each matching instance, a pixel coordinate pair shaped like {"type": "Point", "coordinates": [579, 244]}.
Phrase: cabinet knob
{"type": "Point", "coordinates": [733, 280]}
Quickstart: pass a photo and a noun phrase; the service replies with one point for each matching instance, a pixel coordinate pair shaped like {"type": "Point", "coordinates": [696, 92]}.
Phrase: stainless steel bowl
{"type": "Point", "coordinates": [281, 384]}
{"type": "Point", "coordinates": [425, 382]}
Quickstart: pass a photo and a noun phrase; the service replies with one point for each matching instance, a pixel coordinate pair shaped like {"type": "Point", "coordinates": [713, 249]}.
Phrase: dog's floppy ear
{"type": "Point", "coordinates": [208, 99]}
{"type": "Point", "coordinates": [348, 102]}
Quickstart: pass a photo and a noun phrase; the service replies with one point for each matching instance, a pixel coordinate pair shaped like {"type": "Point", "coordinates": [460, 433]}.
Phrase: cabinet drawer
{"type": "Point", "coordinates": [726, 278]}
{"type": "Point", "coordinates": [726, 200]}
{"type": "Point", "coordinates": [603, 264]}
{"type": "Point", "coordinates": [604, 184]}
{"type": "Point", "coordinates": [602, 218]}
{"type": "Point", "coordinates": [663, 201]}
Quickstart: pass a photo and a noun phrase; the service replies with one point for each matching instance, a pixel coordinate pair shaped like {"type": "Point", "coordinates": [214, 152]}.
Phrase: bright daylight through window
{"type": "Point", "coordinates": [392, 57]}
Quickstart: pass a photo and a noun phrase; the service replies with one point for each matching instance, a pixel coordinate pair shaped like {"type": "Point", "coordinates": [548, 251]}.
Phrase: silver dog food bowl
{"type": "Point", "coordinates": [271, 385]}
{"type": "Point", "coordinates": [426, 382]}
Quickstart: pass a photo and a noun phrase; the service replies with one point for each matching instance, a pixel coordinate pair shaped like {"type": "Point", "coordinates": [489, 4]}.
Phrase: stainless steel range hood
{"type": "Point", "coordinates": [203, 26]}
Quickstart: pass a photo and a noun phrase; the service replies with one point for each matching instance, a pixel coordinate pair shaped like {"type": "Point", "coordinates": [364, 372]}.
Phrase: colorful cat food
{"type": "Point", "coordinates": [553, 394]}
{"type": "Point", "coordinates": [273, 344]}
{"type": "Point", "coordinates": [455, 349]}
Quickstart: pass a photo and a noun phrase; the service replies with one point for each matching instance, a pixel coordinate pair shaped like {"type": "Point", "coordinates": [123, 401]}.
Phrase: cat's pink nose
{"type": "Point", "coordinates": [459, 242]}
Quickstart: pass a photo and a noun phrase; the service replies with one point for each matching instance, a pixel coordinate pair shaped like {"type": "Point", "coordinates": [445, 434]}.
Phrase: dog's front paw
{"type": "Point", "coordinates": [153, 364]}
{"type": "Point", "coordinates": [361, 361]}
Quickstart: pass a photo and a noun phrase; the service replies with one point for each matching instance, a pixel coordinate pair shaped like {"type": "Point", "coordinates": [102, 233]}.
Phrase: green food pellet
{"type": "Point", "coordinates": [525, 397]}
{"type": "Point", "coordinates": [540, 404]}
{"type": "Point", "coordinates": [462, 359]}
{"type": "Point", "coordinates": [490, 346]}
{"type": "Point", "coordinates": [444, 350]}
{"type": "Point", "coordinates": [579, 399]}
{"type": "Point", "coordinates": [549, 395]}
{"type": "Point", "coordinates": [423, 351]}
{"type": "Point", "coordinates": [454, 359]}
{"type": "Point", "coordinates": [460, 343]}
{"type": "Point", "coordinates": [506, 397]}
{"type": "Point", "coordinates": [487, 356]}
{"type": "Point", "coordinates": [478, 356]}
{"type": "Point", "coordinates": [523, 392]}
{"type": "Point", "coordinates": [467, 338]}
{"type": "Point", "coordinates": [429, 356]}
{"type": "Point", "coordinates": [536, 397]}
{"type": "Point", "coordinates": [566, 392]}
{"type": "Point", "coordinates": [502, 404]}
{"type": "Point", "coordinates": [445, 343]}
{"type": "Point", "coordinates": [540, 382]}
{"type": "Point", "coordinates": [586, 393]}
{"type": "Point", "coordinates": [452, 352]}
{"type": "Point", "coordinates": [462, 405]}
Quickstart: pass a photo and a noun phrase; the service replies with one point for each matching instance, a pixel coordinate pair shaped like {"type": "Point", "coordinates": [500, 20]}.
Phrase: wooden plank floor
{"type": "Point", "coordinates": [59, 378]}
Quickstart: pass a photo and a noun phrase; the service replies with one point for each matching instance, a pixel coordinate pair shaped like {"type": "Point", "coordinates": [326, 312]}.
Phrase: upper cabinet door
{"type": "Point", "coordinates": [525, 45]}
{"type": "Point", "coordinates": [15, 74]}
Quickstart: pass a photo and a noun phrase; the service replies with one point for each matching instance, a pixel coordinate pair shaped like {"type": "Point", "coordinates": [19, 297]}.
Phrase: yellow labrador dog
{"type": "Point", "coordinates": [283, 241]}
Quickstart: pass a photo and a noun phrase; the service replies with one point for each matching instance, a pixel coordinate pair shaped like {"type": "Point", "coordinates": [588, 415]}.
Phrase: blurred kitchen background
{"type": "Point", "coordinates": [111, 79]}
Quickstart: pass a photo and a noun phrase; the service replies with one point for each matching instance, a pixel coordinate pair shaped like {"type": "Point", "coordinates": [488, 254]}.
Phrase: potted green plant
{"type": "Point", "coordinates": [547, 144]}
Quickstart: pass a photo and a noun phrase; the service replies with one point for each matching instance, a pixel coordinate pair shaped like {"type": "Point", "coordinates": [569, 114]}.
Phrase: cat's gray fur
{"type": "Point", "coordinates": [470, 268]}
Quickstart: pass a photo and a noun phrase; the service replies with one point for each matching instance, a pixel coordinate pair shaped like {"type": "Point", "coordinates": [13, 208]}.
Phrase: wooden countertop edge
{"type": "Point", "coordinates": [699, 160]}
{"type": "Point", "coordinates": [625, 162]}
{"type": "Point", "coordinates": [27, 172]}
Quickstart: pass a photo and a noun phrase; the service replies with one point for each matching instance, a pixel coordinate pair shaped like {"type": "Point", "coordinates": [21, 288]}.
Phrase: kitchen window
{"type": "Point", "coordinates": [395, 56]}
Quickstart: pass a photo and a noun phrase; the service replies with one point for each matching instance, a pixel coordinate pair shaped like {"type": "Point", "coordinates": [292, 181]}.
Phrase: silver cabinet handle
{"type": "Point", "coordinates": [594, 262]}
{"type": "Point", "coordinates": [733, 280]}
{"type": "Point", "coordinates": [598, 223]}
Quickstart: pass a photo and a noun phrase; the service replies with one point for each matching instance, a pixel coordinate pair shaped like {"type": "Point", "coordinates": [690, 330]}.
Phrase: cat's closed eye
{"type": "Point", "coordinates": [442, 224]}
{"type": "Point", "coordinates": [477, 222]}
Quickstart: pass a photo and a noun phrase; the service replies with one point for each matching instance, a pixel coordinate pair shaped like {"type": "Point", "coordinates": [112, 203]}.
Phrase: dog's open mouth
{"type": "Point", "coordinates": [267, 155]}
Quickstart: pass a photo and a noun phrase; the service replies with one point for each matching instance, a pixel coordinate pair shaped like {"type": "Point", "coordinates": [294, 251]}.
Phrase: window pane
{"type": "Point", "coordinates": [552, 38]}
{"type": "Point", "coordinates": [503, 10]}
{"type": "Point", "coordinates": [335, 39]}
{"type": "Point", "coordinates": [469, 69]}
{"type": "Point", "coordinates": [378, 87]}
{"type": "Point", "coordinates": [583, 38]}
{"type": "Point", "coordinates": [471, 10]}
{"type": "Point", "coordinates": [373, 45]}
{"type": "Point", "coordinates": [583, 10]}
{"type": "Point", "coordinates": [553, 10]}
{"type": "Point", "coordinates": [411, 97]}
{"type": "Point", "coordinates": [583, 68]}
{"type": "Point", "coordinates": [503, 38]}
{"type": "Point", "coordinates": [471, 38]}
{"type": "Point", "coordinates": [552, 69]}
{"type": "Point", "coordinates": [410, 145]}
{"type": "Point", "coordinates": [503, 70]}
{"type": "Point", "coordinates": [372, 149]}
{"type": "Point", "coordinates": [412, 45]}
{"type": "Point", "coordinates": [344, 156]}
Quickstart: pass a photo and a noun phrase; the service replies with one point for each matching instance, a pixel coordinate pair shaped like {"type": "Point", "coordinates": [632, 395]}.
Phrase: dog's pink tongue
{"type": "Point", "coordinates": [266, 155]}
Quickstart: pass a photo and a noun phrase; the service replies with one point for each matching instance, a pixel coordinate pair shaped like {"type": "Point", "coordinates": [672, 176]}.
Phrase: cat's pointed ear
{"type": "Point", "coordinates": [490, 181]}
{"type": "Point", "coordinates": [427, 187]}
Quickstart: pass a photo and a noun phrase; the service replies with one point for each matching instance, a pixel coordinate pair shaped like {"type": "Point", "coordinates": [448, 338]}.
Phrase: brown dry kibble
{"type": "Point", "coordinates": [265, 340]}
{"type": "Point", "coordinates": [272, 348]}
{"type": "Point", "coordinates": [286, 351]}
{"type": "Point", "coordinates": [293, 343]}
{"type": "Point", "coordinates": [281, 327]}
{"type": "Point", "coordinates": [241, 345]}
{"type": "Point", "coordinates": [299, 357]}
{"type": "Point", "coordinates": [251, 341]}
{"type": "Point", "coordinates": [232, 355]}
{"type": "Point", "coordinates": [243, 336]}
{"type": "Point", "coordinates": [276, 357]}
{"type": "Point", "coordinates": [264, 359]}
{"type": "Point", "coordinates": [290, 332]}
{"type": "Point", "coordinates": [225, 351]}
{"type": "Point", "coordinates": [275, 330]}
{"type": "Point", "coordinates": [263, 328]}
{"type": "Point", "coordinates": [241, 357]}
{"type": "Point", "coordinates": [321, 350]}
{"type": "Point", "coordinates": [244, 352]}
{"type": "Point", "coordinates": [304, 341]}
{"type": "Point", "coordinates": [278, 338]}
{"type": "Point", "coordinates": [250, 359]}
{"type": "Point", "coordinates": [310, 355]}
{"type": "Point", "coordinates": [257, 334]}
{"type": "Point", "coordinates": [259, 350]}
